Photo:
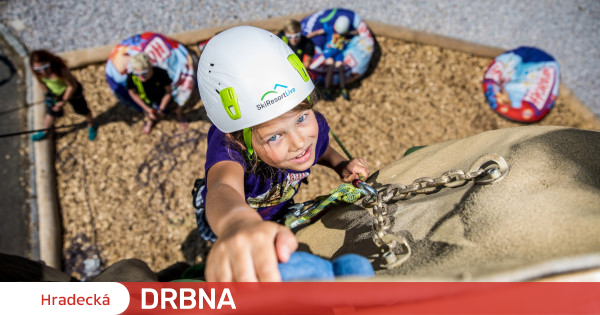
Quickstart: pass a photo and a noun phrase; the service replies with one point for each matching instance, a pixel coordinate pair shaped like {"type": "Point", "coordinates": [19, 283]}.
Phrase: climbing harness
{"type": "Point", "coordinates": [487, 169]}
{"type": "Point", "coordinates": [140, 88]}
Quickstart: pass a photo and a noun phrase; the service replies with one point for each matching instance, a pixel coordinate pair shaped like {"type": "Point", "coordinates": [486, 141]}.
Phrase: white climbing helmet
{"type": "Point", "coordinates": [341, 25]}
{"type": "Point", "coordinates": [247, 76]}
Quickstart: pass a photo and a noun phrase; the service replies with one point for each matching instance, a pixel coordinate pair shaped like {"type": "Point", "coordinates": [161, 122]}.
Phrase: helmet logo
{"type": "Point", "coordinates": [274, 90]}
{"type": "Point", "coordinates": [230, 103]}
{"type": "Point", "coordinates": [285, 93]}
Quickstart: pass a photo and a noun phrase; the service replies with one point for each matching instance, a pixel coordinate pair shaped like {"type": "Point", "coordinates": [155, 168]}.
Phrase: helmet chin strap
{"type": "Point", "coordinates": [248, 140]}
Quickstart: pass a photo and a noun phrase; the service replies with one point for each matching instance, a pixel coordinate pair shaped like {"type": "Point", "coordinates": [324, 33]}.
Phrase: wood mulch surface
{"type": "Point", "coordinates": [128, 195]}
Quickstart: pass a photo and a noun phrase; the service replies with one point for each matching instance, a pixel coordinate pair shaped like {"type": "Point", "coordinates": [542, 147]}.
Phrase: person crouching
{"type": "Point", "coordinates": [150, 88]}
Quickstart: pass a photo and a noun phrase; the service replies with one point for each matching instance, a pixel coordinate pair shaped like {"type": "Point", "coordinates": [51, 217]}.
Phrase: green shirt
{"type": "Point", "coordinates": [56, 86]}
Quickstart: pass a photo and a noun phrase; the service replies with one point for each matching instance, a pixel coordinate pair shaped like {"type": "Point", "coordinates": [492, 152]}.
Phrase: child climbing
{"type": "Point", "coordinates": [337, 38]}
{"type": "Point", "coordinates": [60, 87]}
{"type": "Point", "coordinates": [150, 88]}
{"type": "Point", "coordinates": [300, 44]}
{"type": "Point", "coordinates": [264, 140]}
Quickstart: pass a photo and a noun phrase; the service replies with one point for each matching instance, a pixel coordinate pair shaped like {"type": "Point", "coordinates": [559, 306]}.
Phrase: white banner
{"type": "Point", "coordinates": [63, 298]}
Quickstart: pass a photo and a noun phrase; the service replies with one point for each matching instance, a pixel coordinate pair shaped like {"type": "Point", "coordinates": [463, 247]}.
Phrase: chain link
{"type": "Point", "coordinates": [487, 169]}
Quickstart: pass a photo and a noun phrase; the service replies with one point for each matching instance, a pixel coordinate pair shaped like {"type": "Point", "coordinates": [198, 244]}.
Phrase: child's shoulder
{"type": "Point", "coordinates": [217, 140]}
{"type": "Point", "coordinates": [160, 70]}
{"type": "Point", "coordinates": [319, 116]}
{"type": "Point", "coordinates": [322, 122]}
{"type": "Point", "coordinates": [213, 132]}
{"type": "Point", "coordinates": [219, 148]}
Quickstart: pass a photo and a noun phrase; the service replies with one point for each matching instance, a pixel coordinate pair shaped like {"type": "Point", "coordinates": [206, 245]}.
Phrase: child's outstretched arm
{"type": "Point", "coordinates": [348, 170]}
{"type": "Point", "coordinates": [315, 33]}
{"type": "Point", "coordinates": [247, 248]}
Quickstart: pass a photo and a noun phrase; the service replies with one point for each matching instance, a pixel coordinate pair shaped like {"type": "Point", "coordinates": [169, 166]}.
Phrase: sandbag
{"type": "Point", "coordinates": [541, 219]}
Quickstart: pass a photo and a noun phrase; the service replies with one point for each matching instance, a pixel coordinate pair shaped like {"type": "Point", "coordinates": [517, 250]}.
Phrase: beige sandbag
{"type": "Point", "coordinates": [543, 218]}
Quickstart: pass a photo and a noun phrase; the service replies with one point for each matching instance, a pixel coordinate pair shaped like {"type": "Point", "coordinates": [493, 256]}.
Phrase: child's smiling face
{"type": "Point", "coordinates": [288, 141]}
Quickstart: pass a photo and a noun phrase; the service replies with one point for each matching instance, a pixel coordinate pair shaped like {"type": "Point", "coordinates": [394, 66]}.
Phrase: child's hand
{"type": "Point", "coordinates": [250, 253]}
{"type": "Point", "coordinates": [58, 106]}
{"type": "Point", "coordinates": [151, 114]}
{"type": "Point", "coordinates": [354, 168]}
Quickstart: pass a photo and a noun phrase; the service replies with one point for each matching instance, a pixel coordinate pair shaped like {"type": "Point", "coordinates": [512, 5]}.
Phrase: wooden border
{"type": "Point", "coordinates": [84, 57]}
{"type": "Point", "coordinates": [49, 223]}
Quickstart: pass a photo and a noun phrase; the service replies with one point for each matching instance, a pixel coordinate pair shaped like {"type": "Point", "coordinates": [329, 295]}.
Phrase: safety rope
{"type": "Point", "coordinates": [340, 144]}
{"type": "Point", "coordinates": [37, 130]}
{"type": "Point", "coordinates": [27, 106]}
{"type": "Point", "coordinates": [343, 193]}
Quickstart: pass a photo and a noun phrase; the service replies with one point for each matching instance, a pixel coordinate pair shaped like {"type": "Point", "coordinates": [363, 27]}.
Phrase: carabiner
{"type": "Point", "coordinates": [364, 186]}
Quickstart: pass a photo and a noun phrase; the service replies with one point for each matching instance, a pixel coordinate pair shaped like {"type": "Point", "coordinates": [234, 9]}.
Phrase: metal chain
{"type": "Point", "coordinates": [487, 169]}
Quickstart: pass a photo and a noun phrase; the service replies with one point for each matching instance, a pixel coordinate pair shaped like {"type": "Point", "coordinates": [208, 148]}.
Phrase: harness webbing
{"type": "Point", "coordinates": [140, 88]}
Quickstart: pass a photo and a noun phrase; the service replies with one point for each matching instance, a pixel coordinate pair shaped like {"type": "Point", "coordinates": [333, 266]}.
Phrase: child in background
{"type": "Point", "coordinates": [60, 87]}
{"type": "Point", "coordinates": [337, 39]}
{"type": "Point", "coordinates": [300, 44]}
{"type": "Point", "coordinates": [264, 140]}
{"type": "Point", "coordinates": [150, 88]}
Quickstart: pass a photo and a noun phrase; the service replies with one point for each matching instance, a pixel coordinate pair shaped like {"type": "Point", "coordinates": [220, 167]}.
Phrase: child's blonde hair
{"type": "Point", "coordinates": [140, 61]}
{"type": "Point", "coordinates": [291, 26]}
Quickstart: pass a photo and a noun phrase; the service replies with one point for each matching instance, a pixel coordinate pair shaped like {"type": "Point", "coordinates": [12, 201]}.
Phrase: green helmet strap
{"type": "Point", "coordinates": [248, 140]}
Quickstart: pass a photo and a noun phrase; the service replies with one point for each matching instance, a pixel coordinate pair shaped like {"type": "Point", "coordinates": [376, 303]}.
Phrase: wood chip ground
{"type": "Point", "coordinates": [128, 195]}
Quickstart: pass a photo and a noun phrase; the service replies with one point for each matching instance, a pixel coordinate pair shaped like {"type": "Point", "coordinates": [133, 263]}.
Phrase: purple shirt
{"type": "Point", "coordinates": [266, 195]}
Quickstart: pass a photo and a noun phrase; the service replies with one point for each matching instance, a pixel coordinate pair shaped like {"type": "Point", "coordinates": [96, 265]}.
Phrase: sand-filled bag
{"type": "Point", "coordinates": [540, 218]}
